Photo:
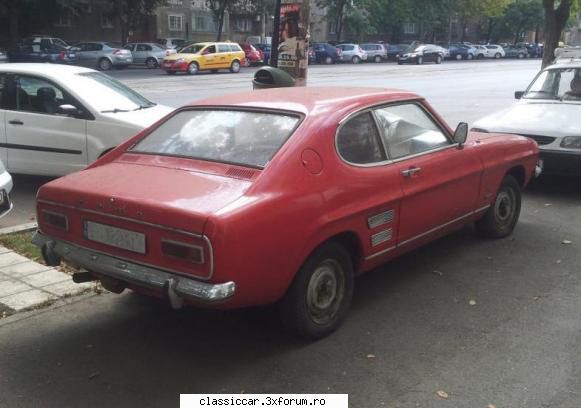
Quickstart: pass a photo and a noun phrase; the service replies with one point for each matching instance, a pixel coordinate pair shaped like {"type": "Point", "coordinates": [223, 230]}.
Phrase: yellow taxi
{"type": "Point", "coordinates": [206, 56]}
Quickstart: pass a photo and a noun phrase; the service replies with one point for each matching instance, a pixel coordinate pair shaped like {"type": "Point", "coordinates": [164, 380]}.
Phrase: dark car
{"type": "Point", "coordinates": [534, 50]}
{"type": "Point", "coordinates": [53, 53]}
{"type": "Point", "coordinates": [253, 55]}
{"type": "Point", "coordinates": [394, 51]}
{"type": "Point", "coordinates": [265, 48]}
{"type": "Point", "coordinates": [326, 53]}
{"type": "Point", "coordinates": [421, 54]}
{"type": "Point", "coordinates": [461, 52]}
{"type": "Point", "coordinates": [517, 51]}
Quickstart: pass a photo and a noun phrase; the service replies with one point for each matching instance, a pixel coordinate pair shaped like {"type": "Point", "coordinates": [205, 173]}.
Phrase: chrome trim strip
{"type": "Point", "coordinates": [439, 227]}
{"type": "Point", "coordinates": [379, 219]}
{"type": "Point", "coordinates": [183, 286]}
{"type": "Point", "coordinates": [381, 237]}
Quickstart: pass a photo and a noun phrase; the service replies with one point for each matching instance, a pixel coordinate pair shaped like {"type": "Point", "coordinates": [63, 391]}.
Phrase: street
{"type": "Point", "coordinates": [490, 323]}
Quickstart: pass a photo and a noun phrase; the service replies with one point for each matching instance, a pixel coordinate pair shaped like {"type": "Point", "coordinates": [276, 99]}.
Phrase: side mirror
{"type": "Point", "coordinates": [69, 110]}
{"type": "Point", "coordinates": [461, 133]}
{"type": "Point", "coordinates": [518, 94]}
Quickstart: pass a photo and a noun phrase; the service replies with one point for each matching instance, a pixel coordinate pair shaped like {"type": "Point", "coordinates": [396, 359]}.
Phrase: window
{"type": "Point", "coordinates": [223, 48]}
{"type": "Point", "coordinates": [235, 48]}
{"type": "Point", "coordinates": [38, 95]}
{"type": "Point", "coordinates": [200, 23]}
{"type": "Point", "coordinates": [243, 24]}
{"type": "Point", "coordinates": [143, 47]}
{"type": "Point", "coordinates": [63, 19]}
{"type": "Point", "coordinates": [358, 141]}
{"type": "Point", "coordinates": [410, 28]}
{"type": "Point", "coordinates": [209, 50]}
{"type": "Point", "coordinates": [129, 47]}
{"type": "Point", "coordinates": [408, 130]}
{"type": "Point", "coordinates": [332, 28]}
{"type": "Point", "coordinates": [176, 22]}
{"type": "Point", "coordinates": [106, 21]}
{"type": "Point", "coordinates": [240, 137]}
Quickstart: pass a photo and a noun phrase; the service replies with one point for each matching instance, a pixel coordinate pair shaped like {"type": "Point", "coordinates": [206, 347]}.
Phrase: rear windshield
{"type": "Point", "coordinates": [238, 137]}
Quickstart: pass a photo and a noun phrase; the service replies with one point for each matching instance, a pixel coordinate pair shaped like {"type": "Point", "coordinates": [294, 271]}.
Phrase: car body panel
{"type": "Point", "coordinates": [261, 224]}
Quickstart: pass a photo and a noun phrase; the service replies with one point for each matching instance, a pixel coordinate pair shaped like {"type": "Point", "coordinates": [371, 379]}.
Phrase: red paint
{"type": "Point", "coordinates": [263, 224]}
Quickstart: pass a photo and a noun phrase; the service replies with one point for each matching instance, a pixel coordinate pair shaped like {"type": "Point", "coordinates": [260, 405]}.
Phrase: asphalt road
{"type": "Point", "coordinates": [460, 91]}
{"type": "Point", "coordinates": [488, 322]}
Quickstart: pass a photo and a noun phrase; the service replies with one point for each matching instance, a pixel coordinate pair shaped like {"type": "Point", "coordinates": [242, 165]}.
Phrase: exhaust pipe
{"type": "Point", "coordinates": [82, 277]}
{"type": "Point", "coordinates": [113, 285]}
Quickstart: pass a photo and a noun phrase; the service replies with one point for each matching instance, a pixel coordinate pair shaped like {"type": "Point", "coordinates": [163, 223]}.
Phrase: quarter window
{"type": "Point", "coordinates": [407, 130]}
{"type": "Point", "coordinates": [358, 141]}
{"type": "Point", "coordinates": [223, 48]}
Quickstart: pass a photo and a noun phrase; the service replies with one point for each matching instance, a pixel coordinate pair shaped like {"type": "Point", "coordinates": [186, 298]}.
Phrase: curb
{"type": "Point", "coordinates": [19, 228]}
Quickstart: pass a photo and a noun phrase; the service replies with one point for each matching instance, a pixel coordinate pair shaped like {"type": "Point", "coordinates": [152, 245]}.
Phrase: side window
{"type": "Point", "coordinates": [210, 50]}
{"type": "Point", "coordinates": [7, 93]}
{"type": "Point", "coordinates": [223, 48]}
{"type": "Point", "coordinates": [408, 130]}
{"type": "Point", "coordinates": [38, 95]}
{"type": "Point", "coordinates": [358, 141]}
{"type": "Point", "coordinates": [130, 47]}
{"type": "Point", "coordinates": [143, 47]}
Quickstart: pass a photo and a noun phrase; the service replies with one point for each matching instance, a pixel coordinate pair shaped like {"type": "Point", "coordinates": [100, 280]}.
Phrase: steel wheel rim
{"type": "Point", "coordinates": [105, 65]}
{"type": "Point", "coordinates": [325, 291]}
{"type": "Point", "coordinates": [458, 57]}
{"type": "Point", "coordinates": [192, 68]}
{"type": "Point", "coordinates": [504, 207]}
{"type": "Point", "coordinates": [235, 66]}
{"type": "Point", "coordinates": [151, 64]}
{"type": "Point", "coordinates": [378, 59]}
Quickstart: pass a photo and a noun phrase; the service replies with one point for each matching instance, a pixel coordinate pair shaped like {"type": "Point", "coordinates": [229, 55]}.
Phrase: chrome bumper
{"type": "Point", "coordinates": [539, 168]}
{"type": "Point", "coordinates": [177, 287]}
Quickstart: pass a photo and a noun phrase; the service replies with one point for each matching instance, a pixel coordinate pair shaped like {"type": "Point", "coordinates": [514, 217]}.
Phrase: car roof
{"type": "Point", "coordinates": [47, 70]}
{"type": "Point", "coordinates": [566, 63]}
{"type": "Point", "coordinates": [310, 100]}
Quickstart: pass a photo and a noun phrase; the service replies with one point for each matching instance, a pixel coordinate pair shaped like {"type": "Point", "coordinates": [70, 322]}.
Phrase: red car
{"type": "Point", "coordinates": [254, 56]}
{"type": "Point", "coordinates": [280, 196]}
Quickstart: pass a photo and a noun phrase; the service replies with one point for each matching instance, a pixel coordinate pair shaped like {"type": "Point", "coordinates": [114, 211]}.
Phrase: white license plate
{"type": "Point", "coordinates": [115, 237]}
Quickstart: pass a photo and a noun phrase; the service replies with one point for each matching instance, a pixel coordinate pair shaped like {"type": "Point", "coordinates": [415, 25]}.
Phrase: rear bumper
{"type": "Point", "coordinates": [176, 287]}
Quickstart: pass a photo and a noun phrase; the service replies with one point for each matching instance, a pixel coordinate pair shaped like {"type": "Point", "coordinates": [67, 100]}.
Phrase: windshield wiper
{"type": "Point", "coordinates": [116, 110]}
{"type": "Point", "coordinates": [144, 106]}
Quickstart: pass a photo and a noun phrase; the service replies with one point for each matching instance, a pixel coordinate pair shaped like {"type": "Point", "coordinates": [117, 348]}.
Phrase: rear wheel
{"type": "Point", "coordinates": [356, 60]}
{"type": "Point", "coordinates": [469, 57]}
{"type": "Point", "coordinates": [328, 60]}
{"type": "Point", "coordinates": [193, 68]}
{"type": "Point", "coordinates": [377, 58]}
{"type": "Point", "coordinates": [420, 61]}
{"type": "Point", "coordinates": [497, 55]}
{"type": "Point", "coordinates": [235, 66]}
{"type": "Point", "coordinates": [501, 218]}
{"type": "Point", "coordinates": [521, 55]}
{"type": "Point", "coordinates": [438, 59]}
{"type": "Point", "coordinates": [320, 296]}
{"type": "Point", "coordinates": [458, 57]}
{"type": "Point", "coordinates": [105, 64]}
{"type": "Point", "coordinates": [151, 63]}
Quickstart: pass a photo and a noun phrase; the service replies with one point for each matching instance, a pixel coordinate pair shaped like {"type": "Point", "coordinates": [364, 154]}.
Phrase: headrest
{"type": "Point", "coordinates": [46, 93]}
{"type": "Point", "coordinates": [576, 85]}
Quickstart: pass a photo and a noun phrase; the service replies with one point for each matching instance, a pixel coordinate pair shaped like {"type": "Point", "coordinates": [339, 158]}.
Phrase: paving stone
{"type": "Point", "coordinates": [11, 258]}
{"type": "Point", "coordinates": [68, 288]}
{"type": "Point", "coordinates": [3, 250]}
{"type": "Point", "coordinates": [10, 287]}
{"type": "Point", "coordinates": [23, 269]}
{"type": "Point", "coordinates": [26, 299]}
{"type": "Point", "coordinates": [45, 278]}
{"type": "Point", "coordinates": [4, 277]}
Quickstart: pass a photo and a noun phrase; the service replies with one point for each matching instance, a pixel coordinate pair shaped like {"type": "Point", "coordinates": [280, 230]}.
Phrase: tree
{"type": "Point", "coordinates": [221, 7]}
{"type": "Point", "coordinates": [557, 13]}
{"type": "Point", "coordinates": [336, 12]}
{"type": "Point", "coordinates": [522, 16]}
{"type": "Point", "coordinates": [130, 12]}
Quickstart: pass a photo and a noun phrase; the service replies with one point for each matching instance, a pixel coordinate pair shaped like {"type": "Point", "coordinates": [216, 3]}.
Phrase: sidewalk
{"type": "Point", "coordinates": [25, 284]}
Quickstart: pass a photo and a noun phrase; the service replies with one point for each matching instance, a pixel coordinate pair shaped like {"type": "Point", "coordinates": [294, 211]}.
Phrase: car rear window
{"type": "Point", "coordinates": [239, 137]}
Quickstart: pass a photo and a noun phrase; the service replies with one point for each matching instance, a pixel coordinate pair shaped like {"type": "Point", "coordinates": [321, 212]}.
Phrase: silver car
{"type": "Point", "coordinates": [102, 55]}
{"type": "Point", "coordinates": [352, 53]}
{"type": "Point", "coordinates": [148, 54]}
{"type": "Point", "coordinates": [3, 56]}
{"type": "Point", "coordinates": [5, 189]}
{"type": "Point", "coordinates": [375, 52]}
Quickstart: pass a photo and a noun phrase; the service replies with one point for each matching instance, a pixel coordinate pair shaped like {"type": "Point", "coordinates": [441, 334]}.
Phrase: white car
{"type": "Point", "coordinates": [548, 112]}
{"type": "Point", "coordinates": [5, 189]}
{"type": "Point", "coordinates": [56, 119]}
{"type": "Point", "coordinates": [489, 51]}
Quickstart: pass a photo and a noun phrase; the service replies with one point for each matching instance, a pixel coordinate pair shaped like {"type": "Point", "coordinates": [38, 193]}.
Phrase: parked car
{"type": "Point", "coordinates": [171, 43]}
{"type": "Point", "coordinates": [252, 54]}
{"type": "Point", "coordinates": [548, 113]}
{"type": "Point", "coordinates": [568, 52]}
{"type": "Point", "coordinates": [5, 190]}
{"type": "Point", "coordinates": [56, 54]}
{"type": "Point", "coordinates": [149, 54]}
{"type": "Point", "coordinates": [493, 51]}
{"type": "Point", "coordinates": [378, 174]}
{"type": "Point", "coordinates": [535, 50]}
{"type": "Point", "coordinates": [56, 119]}
{"type": "Point", "coordinates": [421, 54]}
{"type": "Point", "coordinates": [375, 52]}
{"type": "Point", "coordinates": [516, 51]}
{"type": "Point", "coordinates": [40, 42]}
{"type": "Point", "coordinates": [205, 56]}
{"type": "Point", "coordinates": [266, 50]}
{"type": "Point", "coordinates": [3, 56]}
{"type": "Point", "coordinates": [461, 52]}
{"type": "Point", "coordinates": [325, 53]}
{"type": "Point", "coordinates": [394, 51]}
{"type": "Point", "coordinates": [102, 55]}
{"type": "Point", "coordinates": [352, 53]}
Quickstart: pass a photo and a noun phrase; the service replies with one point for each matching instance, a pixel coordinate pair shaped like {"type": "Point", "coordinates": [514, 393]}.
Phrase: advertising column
{"type": "Point", "coordinates": [293, 39]}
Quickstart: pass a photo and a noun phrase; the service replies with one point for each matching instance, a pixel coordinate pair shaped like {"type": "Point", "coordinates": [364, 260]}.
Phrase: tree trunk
{"type": "Point", "coordinates": [222, 13]}
{"type": "Point", "coordinates": [13, 20]}
{"type": "Point", "coordinates": [490, 28]}
{"type": "Point", "coordinates": [555, 20]}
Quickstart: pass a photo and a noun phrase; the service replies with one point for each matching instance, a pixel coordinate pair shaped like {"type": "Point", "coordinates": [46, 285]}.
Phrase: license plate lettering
{"type": "Point", "coordinates": [115, 237]}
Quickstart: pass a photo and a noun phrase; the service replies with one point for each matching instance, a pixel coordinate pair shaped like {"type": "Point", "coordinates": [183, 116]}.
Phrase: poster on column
{"type": "Point", "coordinates": [293, 39]}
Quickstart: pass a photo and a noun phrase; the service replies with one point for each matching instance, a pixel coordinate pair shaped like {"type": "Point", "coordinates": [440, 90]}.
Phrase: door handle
{"type": "Point", "coordinates": [411, 171]}
{"type": "Point", "coordinates": [16, 122]}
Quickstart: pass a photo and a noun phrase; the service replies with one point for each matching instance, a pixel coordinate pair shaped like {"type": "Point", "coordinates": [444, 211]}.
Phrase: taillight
{"type": "Point", "coordinates": [183, 251]}
{"type": "Point", "coordinates": [56, 219]}
{"type": "Point", "coordinates": [62, 55]}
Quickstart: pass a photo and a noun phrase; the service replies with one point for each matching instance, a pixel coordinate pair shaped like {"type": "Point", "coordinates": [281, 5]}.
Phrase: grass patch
{"type": "Point", "coordinates": [21, 243]}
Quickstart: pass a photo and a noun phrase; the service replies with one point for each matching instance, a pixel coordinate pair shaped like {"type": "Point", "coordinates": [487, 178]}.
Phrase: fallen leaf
{"type": "Point", "coordinates": [491, 406]}
{"type": "Point", "coordinates": [370, 356]}
{"type": "Point", "coordinates": [472, 302]}
{"type": "Point", "coordinates": [442, 394]}
{"type": "Point", "coordinates": [558, 261]}
{"type": "Point", "coordinates": [437, 272]}
{"type": "Point", "coordinates": [567, 242]}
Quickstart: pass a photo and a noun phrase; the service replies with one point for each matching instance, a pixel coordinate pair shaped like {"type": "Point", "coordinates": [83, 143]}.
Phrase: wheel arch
{"type": "Point", "coordinates": [349, 240]}
{"type": "Point", "coordinates": [519, 173]}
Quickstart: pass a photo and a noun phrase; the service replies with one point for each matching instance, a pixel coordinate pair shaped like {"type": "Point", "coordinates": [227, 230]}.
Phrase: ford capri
{"type": "Point", "coordinates": [280, 197]}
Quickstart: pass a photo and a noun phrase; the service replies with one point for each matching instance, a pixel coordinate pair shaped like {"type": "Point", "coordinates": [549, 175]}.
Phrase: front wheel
{"type": "Point", "coordinates": [497, 55]}
{"type": "Point", "coordinates": [151, 63]}
{"type": "Point", "coordinates": [193, 68]}
{"type": "Point", "coordinates": [439, 60]}
{"type": "Point", "coordinates": [356, 60]}
{"type": "Point", "coordinates": [377, 58]}
{"type": "Point", "coordinates": [105, 64]}
{"type": "Point", "coordinates": [420, 61]}
{"type": "Point", "coordinates": [235, 67]}
{"type": "Point", "coordinates": [320, 296]}
{"type": "Point", "coordinates": [328, 60]}
{"type": "Point", "coordinates": [469, 57]}
{"type": "Point", "coordinates": [521, 56]}
{"type": "Point", "coordinates": [501, 218]}
{"type": "Point", "coordinates": [458, 57]}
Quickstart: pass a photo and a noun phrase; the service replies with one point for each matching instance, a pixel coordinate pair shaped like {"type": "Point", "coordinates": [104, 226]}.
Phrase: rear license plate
{"type": "Point", "coordinates": [115, 237]}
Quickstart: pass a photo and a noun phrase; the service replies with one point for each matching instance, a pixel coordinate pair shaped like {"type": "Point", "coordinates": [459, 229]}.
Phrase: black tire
{"type": "Point", "coordinates": [399, 63]}
{"type": "Point", "coordinates": [356, 59]}
{"type": "Point", "coordinates": [328, 60]}
{"type": "Point", "coordinates": [151, 63]}
{"type": "Point", "coordinates": [438, 59]}
{"type": "Point", "coordinates": [104, 64]}
{"type": "Point", "coordinates": [469, 57]}
{"type": "Point", "coordinates": [497, 55]}
{"type": "Point", "coordinates": [377, 58]}
{"type": "Point", "coordinates": [458, 57]}
{"type": "Point", "coordinates": [320, 296]}
{"type": "Point", "coordinates": [420, 61]}
{"type": "Point", "coordinates": [193, 68]}
{"type": "Point", "coordinates": [501, 218]}
{"type": "Point", "coordinates": [521, 55]}
{"type": "Point", "coordinates": [235, 67]}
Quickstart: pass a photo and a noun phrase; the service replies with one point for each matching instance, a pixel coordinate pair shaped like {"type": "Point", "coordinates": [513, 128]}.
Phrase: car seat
{"type": "Point", "coordinates": [46, 100]}
{"type": "Point", "coordinates": [575, 93]}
